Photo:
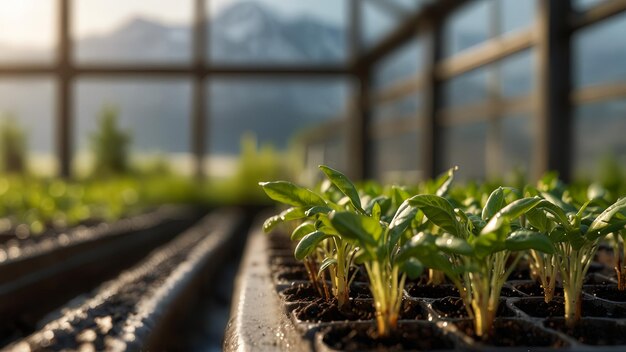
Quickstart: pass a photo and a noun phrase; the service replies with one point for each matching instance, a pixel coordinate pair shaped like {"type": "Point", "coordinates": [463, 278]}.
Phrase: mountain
{"type": "Point", "coordinates": [157, 110]}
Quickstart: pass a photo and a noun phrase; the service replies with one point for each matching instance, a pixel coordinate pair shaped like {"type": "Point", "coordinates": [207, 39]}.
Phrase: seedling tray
{"type": "Point", "coordinates": [432, 317]}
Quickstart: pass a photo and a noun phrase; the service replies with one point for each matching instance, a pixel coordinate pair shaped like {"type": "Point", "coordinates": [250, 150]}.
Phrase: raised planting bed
{"type": "Point", "coordinates": [272, 313]}
{"type": "Point", "coordinates": [135, 310]}
{"type": "Point", "coordinates": [38, 276]}
{"type": "Point", "coordinates": [478, 268]}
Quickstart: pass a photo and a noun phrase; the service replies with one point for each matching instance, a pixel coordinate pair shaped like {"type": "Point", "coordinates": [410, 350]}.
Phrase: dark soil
{"type": "Point", "coordinates": [513, 333]}
{"type": "Point", "coordinates": [361, 309]}
{"type": "Point", "coordinates": [291, 273]}
{"type": "Point", "coordinates": [279, 241]}
{"type": "Point", "coordinates": [556, 308]}
{"type": "Point", "coordinates": [305, 292]}
{"type": "Point", "coordinates": [299, 293]}
{"type": "Point", "coordinates": [430, 291]}
{"type": "Point", "coordinates": [451, 307]}
{"type": "Point", "coordinates": [592, 331]}
{"type": "Point", "coordinates": [320, 310]}
{"type": "Point", "coordinates": [520, 274]}
{"type": "Point", "coordinates": [610, 293]}
{"type": "Point", "coordinates": [595, 279]}
{"type": "Point", "coordinates": [507, 292]}
{"type": "Point", "coordinates": [408, 337]}
{"type": "Point", "coordinates": [97, 320]}
{"type": "Point", "coordinates": [534, 289]}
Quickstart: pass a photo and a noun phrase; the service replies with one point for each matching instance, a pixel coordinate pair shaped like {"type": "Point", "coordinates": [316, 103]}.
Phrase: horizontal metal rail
{"type": "Point", "coordinates": [597, 14]}
{"type": "Point", "coordinates": [597, 93]}
{"type": "Point", "coordinates": [166, 70]}
{"type": "Point", "coordinates": [488, 52]}
{"type": "Point", "coordinates": [484, 111]}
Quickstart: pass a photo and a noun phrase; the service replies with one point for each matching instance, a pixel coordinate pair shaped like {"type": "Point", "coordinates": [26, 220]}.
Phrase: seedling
{"type": "Point", "coordinates": [474, 250]}
{"type": "Point", "coordinates": [576, 234]}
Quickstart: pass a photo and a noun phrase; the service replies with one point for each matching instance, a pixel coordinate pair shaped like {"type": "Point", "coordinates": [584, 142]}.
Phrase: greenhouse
{"type": "Point", "coordinates": [312, 175]}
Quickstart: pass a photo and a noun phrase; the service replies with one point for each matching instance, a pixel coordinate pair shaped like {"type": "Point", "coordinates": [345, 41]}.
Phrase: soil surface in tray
{"type": "Point", "coordinates": [513, 333]}
{"type": "Point", "coordinates": [534, 289]}
{"type": "Point", "coordinates": [610, 293]}
{"type": "Point", "coordinates": [592, 331]}
{"type": "Point", "coordinates": [590, 308]}
{"type": "Point", "coordinates": [325, 311]}
{"type": "Point", "coordinates": [452, 307]}
{"type": "Point", "coordinates": [408, 336]}
{"type": "Point", "coordinates": [99, 320]}
{"type": "Point", "coordinates": [304, 292]}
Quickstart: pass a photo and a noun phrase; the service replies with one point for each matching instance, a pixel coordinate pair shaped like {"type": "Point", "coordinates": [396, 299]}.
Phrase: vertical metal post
{"type": "Point", "coordinates": [494, 152]}
{"type": "Point", "coordinates": [554, 122]}
{"type": "Point", "coordinates": [431, 92]}
{"type": "Point", "coordinates": [64, 98]}
{"type": "Point", "coordinates": [198, 125]}
{"type": "Point", "coordinates": [358, 139]}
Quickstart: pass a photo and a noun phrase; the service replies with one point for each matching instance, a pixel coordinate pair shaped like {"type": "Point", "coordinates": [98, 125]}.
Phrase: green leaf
{"type": "Point", "coordinates": [538, 220]}
{"type": "Point", "coordinates": [288, 193]}
{"type": "Point", "coordinates": [383, 201]}
{"type": "Point", "coordinates": [557, 212]}
{"type": "Point", "coordinates": [317, 210]}
{"type": "Point", "coordinates": [401, 222]}
{"type": "Point", "coordinates": [486, 244]}
{"type": "Point", "coordinates": [308, 244]}
{"type": "Point", "coordinates": [293, 214]}
{"type": "Point", "coordinates": [304, 229]}
{"type": "Point", "coordinates": [604, 219]}
{"type": "Point", "coordinates": [439, 211]}
{"type": "Point", "coordinates": [376, 211]}
{"type": "Point", "coordinates": [364, 229]}
{"type": "Point", "coordinates": [615, 226]}
{"type": "Point", "coordinates": [326, 263]}
{"type": "Point", "coordinates": [412, 267]}
{"type": "Point", "coordinates": [271, 223]}
{"type": "Point", "coordinates": [494, 204]}
{"type": "Point", "coordinates": [345, 186]}
{"type": "Point", "coordinates": [522, 240]}
{"type": "Point", "coordinates": [453, 245]}
{"type": "Point", "coordinates": [444, 182]}
{"type": "Point", "coordinates": [509, 213]}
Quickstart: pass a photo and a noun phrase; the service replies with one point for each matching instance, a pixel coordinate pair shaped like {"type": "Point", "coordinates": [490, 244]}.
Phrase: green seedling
{"type": "Point", "coordinates": [575, 234]}
{"type": "Point", "coordinates": [477, 252]}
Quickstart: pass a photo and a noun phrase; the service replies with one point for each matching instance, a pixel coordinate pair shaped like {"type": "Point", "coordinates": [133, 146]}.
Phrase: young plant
{"type": "Point", "coordinates": [576, 235]}
{"type": "Point", "coordinates": [379, 242]}
{"type": "Point", "coordinates": [474, 250]}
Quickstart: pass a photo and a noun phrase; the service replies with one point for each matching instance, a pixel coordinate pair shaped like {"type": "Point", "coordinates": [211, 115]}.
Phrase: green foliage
{"type": "Point", "coordinates": [12, 146]}
{"type": "Point", "coordinates": [110, 145]}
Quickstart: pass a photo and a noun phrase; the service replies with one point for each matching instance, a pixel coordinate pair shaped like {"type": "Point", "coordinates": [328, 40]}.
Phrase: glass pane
{"type": "Point", "coordinates": [517, 74]}
{"type": "Point", "coordinates": [516, 14]}
{"type": "Point", "coordinates": [28, 31]}
{"type": "Point", "coordinates": [517, 143]}
{"type": "Point", "coordinates": [277, 31]}
{"type": "Point", "coordinates": [583, 5]}
{"type": "Point", "coordinates": [599, 133]}
{"type": "Point", "coordinates": [468, 88]}
{"type": "Point", "coordinates": [273, 112]}
{"type": "Point", "coordinates": [466, 27]}
{"type": "Point", "coordinates": [401, 108]}
{"type": "Point", "coordinates": [465, 146]}
{"type": "Point", "coordinates": [155, 113]}
{"type": "Point", "coordinates": [376, 23]}
{"type": "Point", "coordinates": [397, 159]}
{"type": "Point", "coordinates": [35, 120]}
{"type": "Point", "coordinates": [600, 52]}
{"type": "Point", "coordinates": [400, 65]}
{"type": "Point", "coordinates": [132, 31]}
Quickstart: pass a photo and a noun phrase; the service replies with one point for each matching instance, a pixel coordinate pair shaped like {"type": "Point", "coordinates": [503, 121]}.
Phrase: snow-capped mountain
{"type": "Point", "coordinates": [157, 110]}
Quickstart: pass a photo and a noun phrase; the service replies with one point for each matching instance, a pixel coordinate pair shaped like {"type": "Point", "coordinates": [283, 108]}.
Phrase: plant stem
{"type": "Point", "coordinates": [343, 289]}
{"type": "Point", "coordinates": [436, 277]}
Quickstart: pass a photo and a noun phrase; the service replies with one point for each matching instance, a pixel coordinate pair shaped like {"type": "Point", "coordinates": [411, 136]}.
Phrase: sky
{"type": "Point", "coordinates": [32, 23]}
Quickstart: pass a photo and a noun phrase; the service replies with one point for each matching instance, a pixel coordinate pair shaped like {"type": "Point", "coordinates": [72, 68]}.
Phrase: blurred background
{"type": "Point", "coordinates": [236, 91]}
